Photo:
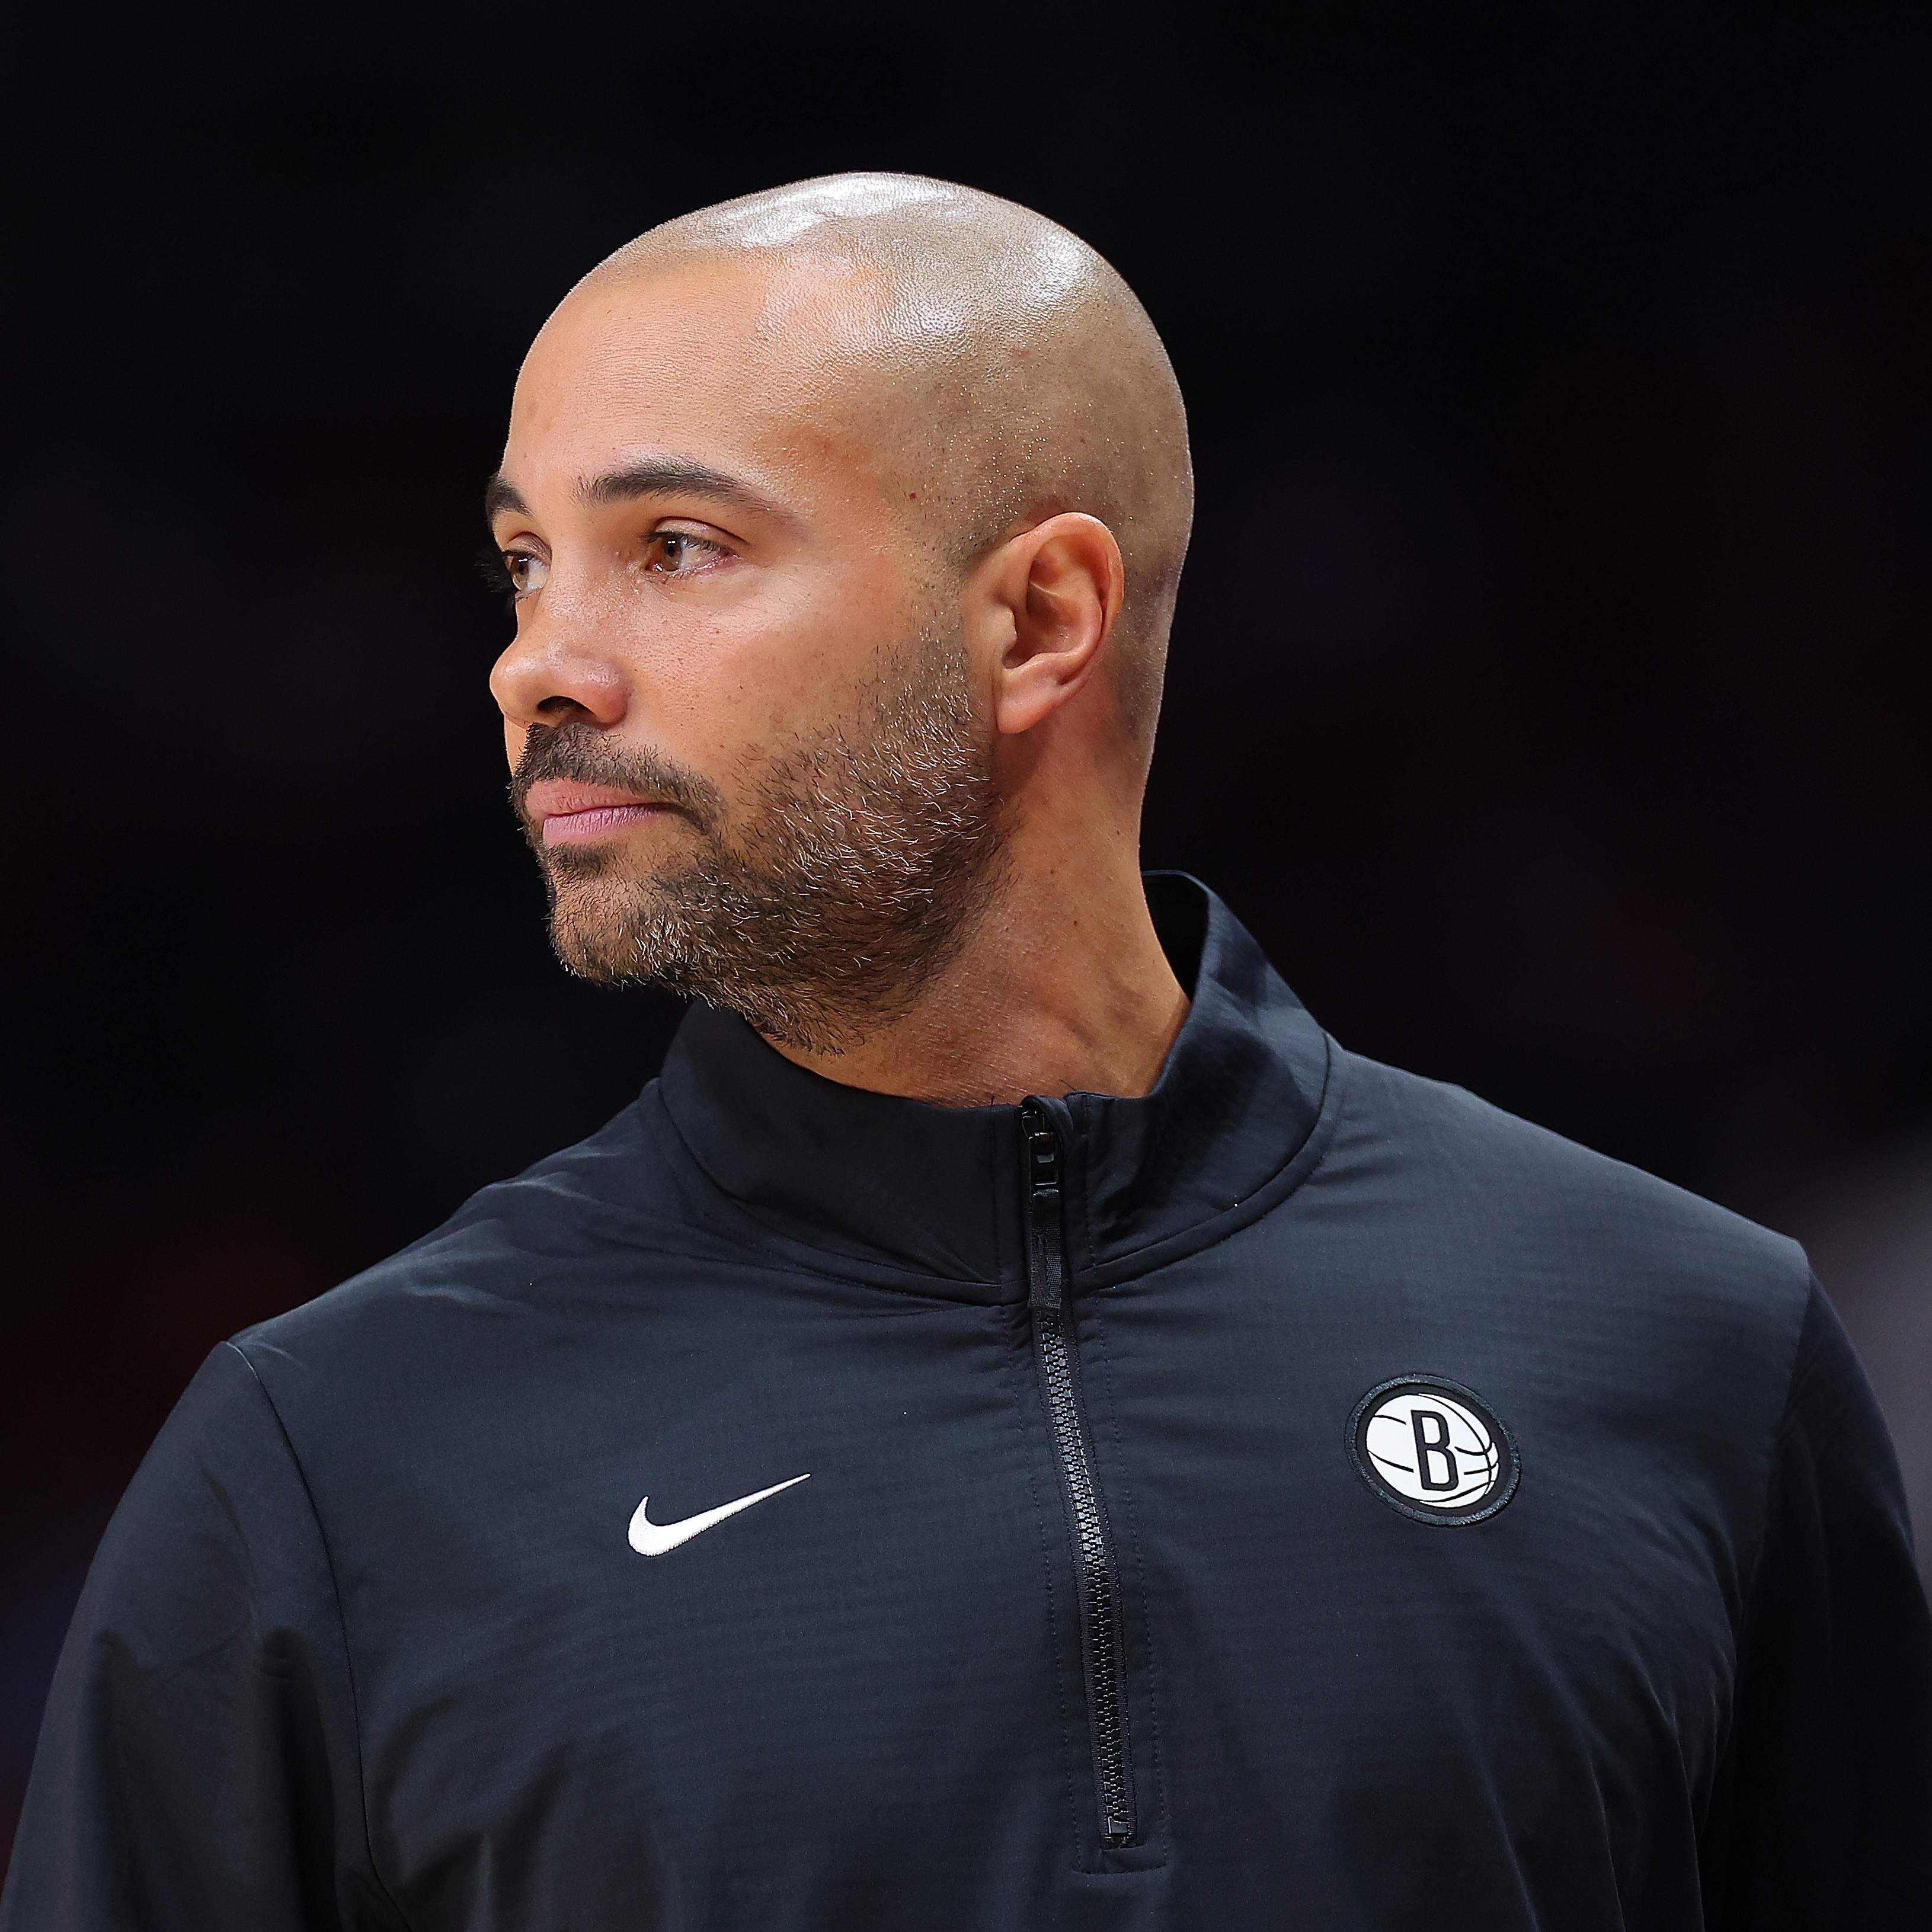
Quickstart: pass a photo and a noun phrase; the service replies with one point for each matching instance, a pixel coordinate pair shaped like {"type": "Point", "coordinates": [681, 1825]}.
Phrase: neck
{"type": "Point", "coordinates": [1060, 987]}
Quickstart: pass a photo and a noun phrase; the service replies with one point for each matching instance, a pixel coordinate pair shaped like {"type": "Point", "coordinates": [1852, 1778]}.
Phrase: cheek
{"type": "Point", "coordinates": [747, 679]}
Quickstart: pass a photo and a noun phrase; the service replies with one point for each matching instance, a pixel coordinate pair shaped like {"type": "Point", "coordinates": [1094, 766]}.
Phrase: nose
{"type": "Point", "coordinates": [554, 672]}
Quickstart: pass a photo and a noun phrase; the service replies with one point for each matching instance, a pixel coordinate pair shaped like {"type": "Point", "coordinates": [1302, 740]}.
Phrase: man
{"type": "Point", "coordinates": [1016, 1428]}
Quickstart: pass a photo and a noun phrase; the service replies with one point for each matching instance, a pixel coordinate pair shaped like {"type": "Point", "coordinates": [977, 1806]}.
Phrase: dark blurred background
{"type": "Point", "coordinates": [1549, 691]}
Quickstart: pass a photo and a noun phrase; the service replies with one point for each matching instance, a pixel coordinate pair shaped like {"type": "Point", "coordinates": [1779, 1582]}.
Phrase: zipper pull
{"type": "Point", "coordinates": [1046, 1253]}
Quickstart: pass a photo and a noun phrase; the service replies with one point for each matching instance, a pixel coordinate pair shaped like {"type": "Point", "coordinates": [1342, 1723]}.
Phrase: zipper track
{"type": "Point", "coordinates": [1093, 1562]}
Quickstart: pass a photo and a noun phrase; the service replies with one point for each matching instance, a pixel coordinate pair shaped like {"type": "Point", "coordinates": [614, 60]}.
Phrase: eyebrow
{"type": "Point", "coordinates": [667, 476]}
{"type": "Point", "coordinates": [499, 496]}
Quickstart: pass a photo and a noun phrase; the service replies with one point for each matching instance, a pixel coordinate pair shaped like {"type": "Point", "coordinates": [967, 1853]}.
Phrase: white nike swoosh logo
{"type": "Point", "coordinates": [656, 1539]}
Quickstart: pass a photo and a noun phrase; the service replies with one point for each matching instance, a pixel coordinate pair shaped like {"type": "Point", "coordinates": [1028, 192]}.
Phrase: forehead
{"type": "Point", "coordinates": [725, 361]}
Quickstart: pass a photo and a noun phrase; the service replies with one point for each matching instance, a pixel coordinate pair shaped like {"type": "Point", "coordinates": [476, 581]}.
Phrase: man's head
{"type": "Point", "coordinates": [844, 523]}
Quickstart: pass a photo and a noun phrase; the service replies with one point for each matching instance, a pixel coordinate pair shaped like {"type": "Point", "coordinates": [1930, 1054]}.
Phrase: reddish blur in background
{"type": "Point", "coordinates": [1550, 686]}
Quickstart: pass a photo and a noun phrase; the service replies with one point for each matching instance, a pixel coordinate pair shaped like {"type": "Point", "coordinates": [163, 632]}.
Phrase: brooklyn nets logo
{"type": "Point", "coordinates": [1433, 1449]}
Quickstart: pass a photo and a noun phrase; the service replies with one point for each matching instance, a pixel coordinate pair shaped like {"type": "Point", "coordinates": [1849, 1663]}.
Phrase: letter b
{"type": "Point", "coordinates": [1432, 1441]}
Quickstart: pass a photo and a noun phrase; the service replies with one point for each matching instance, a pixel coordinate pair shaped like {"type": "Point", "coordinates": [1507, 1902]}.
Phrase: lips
{"type": "Point", "coordinates": [567, 813]}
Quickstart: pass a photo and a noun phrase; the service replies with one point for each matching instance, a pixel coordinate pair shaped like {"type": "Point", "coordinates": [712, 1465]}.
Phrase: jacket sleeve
{"type": "Point", "coordinates": [197, 1767]}
{"type": "Point", "coordinates": [1822, 1815]}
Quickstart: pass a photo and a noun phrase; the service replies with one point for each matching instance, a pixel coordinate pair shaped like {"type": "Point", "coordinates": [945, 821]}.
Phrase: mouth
{"type": "Point", "coordinates": [567, 814]}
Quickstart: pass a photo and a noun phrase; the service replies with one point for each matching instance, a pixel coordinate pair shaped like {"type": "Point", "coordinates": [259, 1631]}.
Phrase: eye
{"type": "Point", "coordinates": [526, 573]}
{"type": "Point", "coordinates": [680, 553]}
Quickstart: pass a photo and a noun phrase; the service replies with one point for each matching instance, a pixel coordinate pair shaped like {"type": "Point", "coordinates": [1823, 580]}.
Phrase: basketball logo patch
{"type": "Point", "coordinates": [1433, 1449]}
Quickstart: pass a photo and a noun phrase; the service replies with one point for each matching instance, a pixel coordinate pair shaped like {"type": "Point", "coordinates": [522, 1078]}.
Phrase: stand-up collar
{"type": "Point", "coordinates": [925, 1196]}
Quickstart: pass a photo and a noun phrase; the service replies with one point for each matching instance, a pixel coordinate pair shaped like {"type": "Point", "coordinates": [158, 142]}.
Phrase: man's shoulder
{"type": "Point", "coordinates": [609, 1209]}
{"type": "Point", "coordinates": [1434, 1151]}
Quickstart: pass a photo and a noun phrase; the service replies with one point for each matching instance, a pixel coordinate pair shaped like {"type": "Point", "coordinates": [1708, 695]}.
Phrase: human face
{"type": "Point", "coordinates": [745, 739]}
{"type": "Point", "coordinates": [700, 546]}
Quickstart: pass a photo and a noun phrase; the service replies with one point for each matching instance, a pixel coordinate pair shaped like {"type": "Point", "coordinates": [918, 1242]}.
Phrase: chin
{"type": "Point", "coordinates": [594, 923]}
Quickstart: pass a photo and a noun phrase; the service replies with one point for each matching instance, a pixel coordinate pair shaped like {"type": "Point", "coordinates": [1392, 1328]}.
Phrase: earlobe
{"type": "Point", "coordinates": [1061, 584]}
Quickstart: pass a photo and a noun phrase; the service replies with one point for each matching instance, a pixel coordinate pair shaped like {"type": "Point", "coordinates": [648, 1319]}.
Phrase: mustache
{"type": "Point", "coordinates": [582, 754]}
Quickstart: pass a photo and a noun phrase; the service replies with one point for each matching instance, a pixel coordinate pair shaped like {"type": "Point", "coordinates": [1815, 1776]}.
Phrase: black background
{"type": "Point", "coordinates": [1549, 691]}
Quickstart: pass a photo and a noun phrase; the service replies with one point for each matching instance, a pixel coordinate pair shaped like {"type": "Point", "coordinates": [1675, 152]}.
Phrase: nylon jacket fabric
{"type": "Point", "coordinates": [369, 1642]}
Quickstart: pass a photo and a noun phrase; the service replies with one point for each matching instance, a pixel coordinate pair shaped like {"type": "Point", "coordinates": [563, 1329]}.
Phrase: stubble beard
{"type": "Point", "coordinates": [851, 882]}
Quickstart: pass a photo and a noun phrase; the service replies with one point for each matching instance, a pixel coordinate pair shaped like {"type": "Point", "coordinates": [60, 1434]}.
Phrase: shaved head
{"type": "Point", "coordinates": [1002, 368]}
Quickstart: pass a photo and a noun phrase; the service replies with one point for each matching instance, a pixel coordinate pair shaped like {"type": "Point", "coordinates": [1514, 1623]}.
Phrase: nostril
{"type": "Point", "coordinates": [552, 680]}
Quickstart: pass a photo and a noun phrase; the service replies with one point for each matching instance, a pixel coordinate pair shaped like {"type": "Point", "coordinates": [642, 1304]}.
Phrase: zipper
{"type": "Point", "coordinates": [1095, 1582]}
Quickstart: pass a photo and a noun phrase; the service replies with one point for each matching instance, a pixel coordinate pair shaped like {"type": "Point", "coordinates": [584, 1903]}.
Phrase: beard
{"type": "Point", "coordinates": [822, 909]}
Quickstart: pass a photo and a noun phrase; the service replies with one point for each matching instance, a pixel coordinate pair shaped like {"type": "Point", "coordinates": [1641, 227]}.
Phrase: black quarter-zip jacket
{"type": "Point", "coordinates": [1303, 1497]}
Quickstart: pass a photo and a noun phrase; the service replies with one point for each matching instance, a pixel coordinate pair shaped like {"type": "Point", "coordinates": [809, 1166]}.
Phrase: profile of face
{"type": "Point", "coordinates": [746, 742]}
{"type": "Point", "coordinates": [842, 524]}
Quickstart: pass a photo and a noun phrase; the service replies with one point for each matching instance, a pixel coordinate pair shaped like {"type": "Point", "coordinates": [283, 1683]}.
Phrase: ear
{"type": "Point", "coordinates": [1051, 596]}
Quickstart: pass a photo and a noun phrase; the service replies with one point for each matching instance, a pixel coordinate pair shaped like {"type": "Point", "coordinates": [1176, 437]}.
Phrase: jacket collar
{"type": "Point", "coordinates": [916, 1195]}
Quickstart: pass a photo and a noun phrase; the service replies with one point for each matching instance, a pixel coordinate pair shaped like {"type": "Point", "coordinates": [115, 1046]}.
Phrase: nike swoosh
{"type": "Point", "coordinates": [658, 1539]}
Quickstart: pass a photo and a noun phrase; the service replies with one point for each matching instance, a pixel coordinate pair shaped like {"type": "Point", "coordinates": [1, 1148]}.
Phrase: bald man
{"type": "Point", "coordinates": [1016, 1428]}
